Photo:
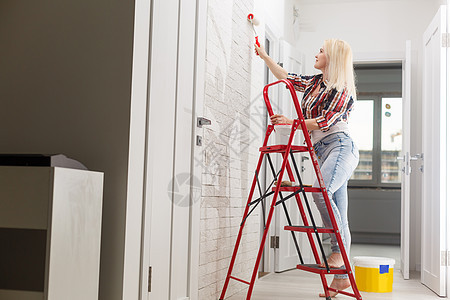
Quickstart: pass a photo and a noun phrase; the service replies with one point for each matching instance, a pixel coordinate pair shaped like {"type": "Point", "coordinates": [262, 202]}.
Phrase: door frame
{"type": "Point", "coordinates": [405, 232]}
{"type": "Point", "coordinates": [197, 151]}
{"type": "Point", "coordinates": [448, 147]}
{"type": "Point", "coordinates": [430, 278]}
{"type": "Point", "coordinates": [132, 277]}
{"type": "Point", "coordinates": [393, 57]}
{"type": "Point", "coordinates": [286, 256]}
{"type": "Point", "coordinates": [274, 36]}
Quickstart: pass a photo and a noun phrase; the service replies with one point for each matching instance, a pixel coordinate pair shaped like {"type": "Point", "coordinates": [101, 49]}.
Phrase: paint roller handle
{"type": "Point", "coordinates": [257, 43]}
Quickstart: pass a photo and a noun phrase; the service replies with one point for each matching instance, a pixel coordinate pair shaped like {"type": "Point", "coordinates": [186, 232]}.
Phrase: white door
{"type": "Point", "coordinates": [406, 168]}
{"type": "Point", "coordinates": [170, 187]}
{"type": "Point", "coordinates": [434, 157]}
{"type": "Point", "coordinates": [286, 256]}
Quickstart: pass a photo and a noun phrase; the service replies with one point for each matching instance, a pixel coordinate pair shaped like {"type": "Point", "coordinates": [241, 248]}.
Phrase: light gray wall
{"type": "Point", "coordinates": [65, 80]}
{"type": "Point", "coordinates": [374, 216]}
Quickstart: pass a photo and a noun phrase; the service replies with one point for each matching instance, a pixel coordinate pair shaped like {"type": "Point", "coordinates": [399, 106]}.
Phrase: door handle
{"type": "Point", "coordinates": [203, 121]}
{"type": "Point", "coordinates": [417, 156]}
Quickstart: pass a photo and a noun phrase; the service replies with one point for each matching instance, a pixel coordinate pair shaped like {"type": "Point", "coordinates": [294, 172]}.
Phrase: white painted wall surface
{"type": "Point", "coordinates": [375, 28]}
{"type": "Point", "coordinates": [230, 146]}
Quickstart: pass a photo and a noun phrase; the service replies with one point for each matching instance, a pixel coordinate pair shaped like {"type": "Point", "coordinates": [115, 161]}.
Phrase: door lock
{"type": "Point", "coordinates": [199, 140]}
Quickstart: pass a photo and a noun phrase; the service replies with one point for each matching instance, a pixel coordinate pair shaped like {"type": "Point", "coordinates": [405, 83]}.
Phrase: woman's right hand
{"type": "Point", "coordinates": [280, 119]}
{"type": "Point", "coordinates": [259, 50]}
{"type": "Point", "coordinates": [276, 70]}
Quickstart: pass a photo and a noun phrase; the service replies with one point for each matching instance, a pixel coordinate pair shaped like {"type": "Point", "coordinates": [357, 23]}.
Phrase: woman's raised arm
{"type": "Point", "coordinates": [276, 70]}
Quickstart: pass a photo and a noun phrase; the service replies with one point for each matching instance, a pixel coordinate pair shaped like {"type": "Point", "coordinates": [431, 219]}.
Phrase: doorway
{"type": "Point", "coordinates": [375, 186]}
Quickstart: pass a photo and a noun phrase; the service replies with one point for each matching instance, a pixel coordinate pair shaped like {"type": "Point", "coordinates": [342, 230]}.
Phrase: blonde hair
{"type": "Point", "coordinates": [340, 66]}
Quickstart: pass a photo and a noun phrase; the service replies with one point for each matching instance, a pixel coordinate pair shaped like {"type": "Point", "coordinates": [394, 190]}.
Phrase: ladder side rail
{"type": "Point", "coordinates": [238, 239]}
{"type": "Point", "coordinates": [272, 208]}
{"type": "Point", "coordinates": [290, 86]}
{"type": "Point", "coordinates": [262, 202]}
{"type": "Point", "coordinates": [325, 286]}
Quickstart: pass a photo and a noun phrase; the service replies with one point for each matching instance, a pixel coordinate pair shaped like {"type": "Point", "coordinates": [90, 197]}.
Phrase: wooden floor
{"type": "Point", "coordinates": [300, 285]}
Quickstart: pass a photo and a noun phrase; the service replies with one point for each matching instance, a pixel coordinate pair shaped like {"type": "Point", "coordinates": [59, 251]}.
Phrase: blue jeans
{"type": "Point", "coordinates": [338, 157]}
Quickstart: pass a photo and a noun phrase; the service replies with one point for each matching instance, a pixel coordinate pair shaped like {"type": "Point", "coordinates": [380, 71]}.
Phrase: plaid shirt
{"type": "Point", "coordinates": [328, 107]}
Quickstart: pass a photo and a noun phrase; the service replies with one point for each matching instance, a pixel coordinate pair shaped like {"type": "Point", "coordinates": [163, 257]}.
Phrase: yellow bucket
{"type": "Point", "coordinates": [374, 274]}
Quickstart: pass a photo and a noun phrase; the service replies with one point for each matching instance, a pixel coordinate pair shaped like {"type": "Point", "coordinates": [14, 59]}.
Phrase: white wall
{"type": "Point", "coordinates": [279, 17]}
{"type": "Point", "coordinates": [375, 28]}
{"type": "Point", "coordinates": [65, 86]}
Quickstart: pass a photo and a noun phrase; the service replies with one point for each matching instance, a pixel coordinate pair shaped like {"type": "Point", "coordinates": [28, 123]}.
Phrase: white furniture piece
{"type": "Point", "coordinates": [50, 229]}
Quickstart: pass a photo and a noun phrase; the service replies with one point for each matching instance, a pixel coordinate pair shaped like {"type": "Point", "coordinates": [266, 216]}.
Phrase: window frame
{"type": "Point", "coordinates": [375, 182]}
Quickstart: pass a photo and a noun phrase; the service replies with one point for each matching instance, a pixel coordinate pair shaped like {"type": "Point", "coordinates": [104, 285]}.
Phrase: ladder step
{"type": "Point", "coordinates": [309, 229]}
{"type": "Point", "coordinates": [315, 268]}
{"type": "Point", "coordinates": [282, 148]}
{"type": "Point", "coordinates": [296, 188]}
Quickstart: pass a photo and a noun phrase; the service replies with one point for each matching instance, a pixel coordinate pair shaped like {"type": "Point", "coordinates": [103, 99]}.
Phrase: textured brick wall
{"type": "Point", "coordinates": [231, 148]}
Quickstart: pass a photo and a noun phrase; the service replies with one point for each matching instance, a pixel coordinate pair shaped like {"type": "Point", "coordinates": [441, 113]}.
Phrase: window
{"type": "Point", "coordinates": [391, 139]}
{"type": "Point", "coordinates": [376, 126]}
{"type": "Point", "coordinates": [361, 127]}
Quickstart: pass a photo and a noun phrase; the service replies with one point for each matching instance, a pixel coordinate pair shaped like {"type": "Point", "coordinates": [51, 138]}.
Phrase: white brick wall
{"type": "Point", "coordinates": [231, 149]}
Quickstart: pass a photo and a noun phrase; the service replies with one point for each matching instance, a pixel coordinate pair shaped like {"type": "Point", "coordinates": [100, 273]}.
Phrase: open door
{"type": "Point", "coordinates": [434, 209]}
{"type": "Point", "coordinates": [406, 168]}
{"type": "Point", "coordinates": [286, 256]}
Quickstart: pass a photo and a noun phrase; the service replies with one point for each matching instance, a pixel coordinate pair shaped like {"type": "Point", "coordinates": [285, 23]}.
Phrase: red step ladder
{"type": "Point", "coordinates": [311, 230]}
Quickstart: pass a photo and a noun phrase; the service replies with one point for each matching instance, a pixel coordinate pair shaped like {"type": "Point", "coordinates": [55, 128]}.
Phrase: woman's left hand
{"type": "Point", "coordinates": [280, 119]}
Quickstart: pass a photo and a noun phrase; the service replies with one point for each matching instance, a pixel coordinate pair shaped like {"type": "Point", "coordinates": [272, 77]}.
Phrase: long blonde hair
{"type": "Point", "coordinates": [340, 66]}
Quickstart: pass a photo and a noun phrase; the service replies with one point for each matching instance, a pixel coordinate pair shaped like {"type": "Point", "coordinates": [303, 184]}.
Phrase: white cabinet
{"type": "Point", "coordinates": [50, 229]}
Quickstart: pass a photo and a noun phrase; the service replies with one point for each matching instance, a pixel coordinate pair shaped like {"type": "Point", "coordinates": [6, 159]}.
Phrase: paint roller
{"type": "Point", "coordinates": [255, 22]}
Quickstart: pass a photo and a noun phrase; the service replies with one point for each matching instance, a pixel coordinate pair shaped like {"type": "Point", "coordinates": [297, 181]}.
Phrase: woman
{"type": "Point", "coordinates": [327, 101]}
